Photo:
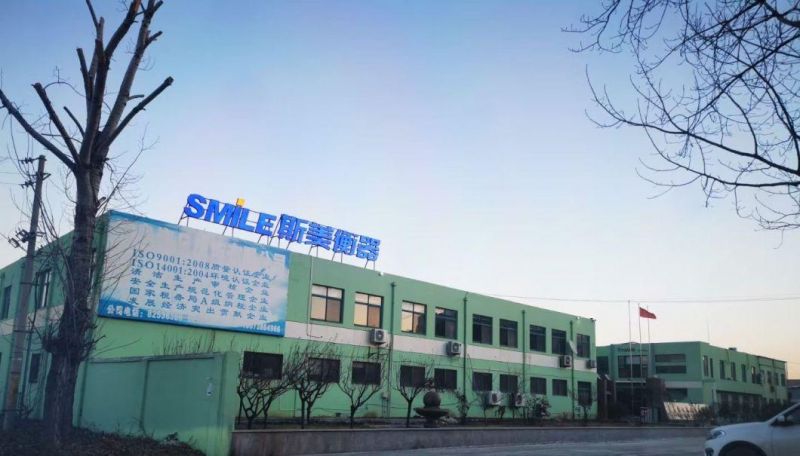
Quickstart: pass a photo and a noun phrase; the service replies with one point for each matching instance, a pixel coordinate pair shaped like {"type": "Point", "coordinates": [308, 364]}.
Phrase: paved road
{"type": "Point", "coordinates": [657, 447]}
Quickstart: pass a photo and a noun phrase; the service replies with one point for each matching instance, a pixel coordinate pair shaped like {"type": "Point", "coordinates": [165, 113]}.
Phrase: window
{"type": "Point", "coordinates": [584, 346]}
{"type": "Point", "coordinates": [6, 303]}
{"type": "Point", "coordinates": [481, 381]}
{"type": "Point", "coordinates": [602, 365]}
{"type": "Point", "coordinates": [508, 383]}
{"type": "Point", "coordinates": [783, 379]}
{"type": "Point", "coordinates": [365, 373]}
{"type": "Point", "coordinates": [769, 378]}
{"type": "Point", "coordinates": [538, 336]}
{"type": "Point", "coordinates": [413, 376]}
{"type": "Point", "coordinates": [42, 288]}
{"type": "Point", "coordinates": [559, 342]}
{"type": "Point", "coordinates": [677, 394]}
{"type": "Point", "coordinates": [559, 387]}
{"type": "Point", "coordinates": [508, 333]}
{"type": "Point", "coordinates": [744, 373]}
{"type": "Point", "coordinates": [33, 369]}
{"type": "Point", "coordinates": [262, 365]}
{"type": "Point", "coordinates": [711, 365]}
{"type": "Point", "coordinates": [324, 370]}
{"type": "Point", "coordinates": [368, 310]}
{"type": "Point", "coordinates": [733, 371]}
{"type": "Point", "coordinates": [705, 365]}
{"type": "Point", "coordinates": [538, 385]}
{"type": "Point", "coordinates": [671, 358]}
{"type": "Point", "coordinates": [722, 369]}
{"type": "Point", "coordinates": [481, 329]}
{"type": "Point", "coordinates": [326, 303]}
{"type": "Point", "coordinates": [753, 376]}
{"type": "Point", "coordinates": [413, 320]}
{"type": "Point", "coordinates": [445, 379]}
{"type": "Point", "coordinates": [677, 369]}
{"type": "Point", "coordinates": [446, 323]}
{"type": "Point", "coordinates": [632, 366]}
{"type": "Point", "coordinates": [584, 394]}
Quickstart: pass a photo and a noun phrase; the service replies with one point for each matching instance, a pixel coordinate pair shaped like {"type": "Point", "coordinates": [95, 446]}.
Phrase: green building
{"type": "Point", "coordinates": [382, 328]}
{"type": "Point", "coordinates": [695, 372]}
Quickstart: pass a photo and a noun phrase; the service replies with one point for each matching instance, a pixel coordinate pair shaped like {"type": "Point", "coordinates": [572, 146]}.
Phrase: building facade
{"type": "Point", "coordinates": [695, 372]}
{"type": "Point", "coordinates": [375, 327]}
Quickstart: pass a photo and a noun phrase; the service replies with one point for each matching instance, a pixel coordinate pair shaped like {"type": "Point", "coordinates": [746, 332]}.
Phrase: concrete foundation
{"type": "Point", "coordinates": [291, 442]}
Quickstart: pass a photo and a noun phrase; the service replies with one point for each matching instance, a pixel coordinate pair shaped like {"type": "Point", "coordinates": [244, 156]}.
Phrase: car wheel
{"type": "Point", "coordinates": [741, 450]}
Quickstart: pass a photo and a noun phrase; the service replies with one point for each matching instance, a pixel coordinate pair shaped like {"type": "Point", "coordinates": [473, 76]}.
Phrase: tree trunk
{"type": "Point", "coordinates": [408, 414]}
{"type": "Point", "coordinates": [68, 345]}
{"type": "Point", "coordinates": [302, 415]}
{"type": "Point", "coordinates": [352, 417]}
{"type": "Point", "coordinates": [308, 412]}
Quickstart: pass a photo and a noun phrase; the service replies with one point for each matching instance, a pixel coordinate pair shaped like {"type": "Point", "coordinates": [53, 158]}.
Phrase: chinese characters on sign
{"type": "Point", "coordinates": [286, 227]}
{"type": "Point", "coordinates": [182, 276]}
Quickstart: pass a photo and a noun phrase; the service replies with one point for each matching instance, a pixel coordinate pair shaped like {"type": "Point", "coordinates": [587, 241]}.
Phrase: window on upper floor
{"type": "Point", "coordinates": [481, 381]}
{"type": "Point", "coordinates": [446, 323]}
{"type": "Point", "coordinates": [326, 303]}
{"type": "Point", "coordinates": [783, 379]}
{"type": "Point", "coordinates": [722, 370]}
{"type": "Point", "coordinates": [671, 358]}
{"type": "Point", "coordinates": [365, 373]}
{"type": "Point", "coordinates": [481, 329]}
{"type": "Point", "coordinates": [559, 387]}
{"type": "Point", "coordinates": [368, 310]}
{"type": "Point", "coordinates": [445, 379]}
{"type": "Point", "coordinates": [508, 383]}
{"type": "Point", "coordinates": [42, 289]}
{"type": "Point", "coordinates": [705, 366]}
{"type": "Point", "coordinates": [508, 333]}
{"type": "Point", "coordinates": [262, 365]}
{"type": "Point", "coordinates": [558, 341]}
{"type": "Point", "coordinates": [733, 371]}
{"type": "Point", "coordinates": [744, 373]}
{"type": "Point", "coordinates": [584, 346]}
{"type": "Point", "coordinates": [413, 318]}
{"type": "Point", "coordinates": [538, 338]}
{"type": "Point", "coordinates": [670, 369]}
{"type": "Point", "coordinates": [5, 304]}
{"type": "Point", "coordinates": [711, 366]}
{"type": "Point", "coordinates": [539, 385]}
{"type": "Point", "coordinates": [632, 366]}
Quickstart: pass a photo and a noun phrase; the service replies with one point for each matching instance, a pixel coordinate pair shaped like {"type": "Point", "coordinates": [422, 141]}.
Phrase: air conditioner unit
{"type": "Point", "coordinates": [377, 336]}
{"type": "Point", "coordinates": [454, 348]}
{"type": "Point", "coordinates": [517, 400]}
{"type": "Point", "coordinates": [591, 364]}
{"type": "Point", "coordinates": [565, 361]}
{"type": "Point", "coordinates": [494, 398]}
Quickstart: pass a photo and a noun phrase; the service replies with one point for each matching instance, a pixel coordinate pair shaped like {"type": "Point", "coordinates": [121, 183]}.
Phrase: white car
{"type": "Point", "coordinates": [778, 436]}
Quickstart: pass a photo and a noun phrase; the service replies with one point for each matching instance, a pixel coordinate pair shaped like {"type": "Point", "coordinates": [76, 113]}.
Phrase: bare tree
{"type": "Point", "coordinates": [258, 391]}
{"type": "Point", "coordinates": [360, 390]}
{"type": "Point", "coordinates": [412, 380]}
{"type": "Point", "coordinates": [84, 149]}
{"type": "Point", "coordinates": [313, 368]}
{"type": "Point", "coordinates": [715, 88]}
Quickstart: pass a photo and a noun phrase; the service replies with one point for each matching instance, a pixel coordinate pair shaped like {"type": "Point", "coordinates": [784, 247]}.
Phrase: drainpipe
{"type": "Point", "coordinates": [391, 354]}
{"type": "Point", "coordinates": [464, 376]}
{"type": "Point", "coordinates": [524, 358]}
{"type": "Point", "coordinates": [572, 369]}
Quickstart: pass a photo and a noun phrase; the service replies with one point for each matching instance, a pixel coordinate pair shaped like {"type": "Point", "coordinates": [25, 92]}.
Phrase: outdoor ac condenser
{"type": "Point", "coordinates": [565, 361]}
{"type": "Point", "coordinates": [591, 364]}
{"type": "Point", "coordinates": [517, 400]}
{"type": "Point", "coordinates": [377, 336]}
{"type": "Point", "coordinates": [494, 398]}
{"type": "Point", "coordinates": [453, 348]}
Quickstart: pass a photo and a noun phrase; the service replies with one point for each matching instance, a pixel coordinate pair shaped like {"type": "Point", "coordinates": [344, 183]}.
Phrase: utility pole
{"type": "Point", "coordinates": [11, 405]}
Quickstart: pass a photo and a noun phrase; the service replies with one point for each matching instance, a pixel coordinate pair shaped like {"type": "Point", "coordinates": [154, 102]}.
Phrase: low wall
{"type": "Point", "coordinates": [290, 442]}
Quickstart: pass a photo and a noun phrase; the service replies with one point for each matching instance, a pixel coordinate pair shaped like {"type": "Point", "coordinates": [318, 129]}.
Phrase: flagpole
{"type": "Point", "coordinates": [641, 395]}
{"type": "Point", "coordinates": [630, 354]}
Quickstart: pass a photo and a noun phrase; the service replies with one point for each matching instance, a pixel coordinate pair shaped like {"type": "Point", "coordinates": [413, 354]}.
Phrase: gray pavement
{"type": "Point", "coordinates": [657, 447]}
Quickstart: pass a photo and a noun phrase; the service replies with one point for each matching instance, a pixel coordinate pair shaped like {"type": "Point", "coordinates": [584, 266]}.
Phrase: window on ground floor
{"type": "Point", "coordinates": [412, 376]}
{"type": "Point", "coordinates": [481, 381]}
{"type": "Point", "coordinates": [365, 373]}
{"type": "Point", "coordinates": [262, 365]}
{"type": "Point", "coordinates": [445, 379]}
{"type": "Point", "coordinates": [508, 383]}
{"type": "Point", "coordinates": [585, 394]}
{"type": "Point", "coordinates": [539, 386]}
{"type": "Point", "coordinates": [559, 387]}
{"type": "Point", "coordinates": [324, 370]}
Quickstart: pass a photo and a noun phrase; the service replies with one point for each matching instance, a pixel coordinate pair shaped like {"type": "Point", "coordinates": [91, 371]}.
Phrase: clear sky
{"type": "Point", "coordinates": [453, 131]}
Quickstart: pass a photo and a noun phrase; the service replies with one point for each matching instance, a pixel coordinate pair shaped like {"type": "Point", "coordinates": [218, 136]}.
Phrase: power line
{"type": "Point", "coordinates": [655, 300]}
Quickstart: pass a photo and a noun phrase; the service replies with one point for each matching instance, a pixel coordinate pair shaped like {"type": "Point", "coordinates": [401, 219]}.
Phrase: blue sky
{"type": "Point", "coordinates": [454, 131]}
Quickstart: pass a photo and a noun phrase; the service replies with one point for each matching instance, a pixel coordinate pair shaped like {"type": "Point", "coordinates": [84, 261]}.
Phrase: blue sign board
{"type": "Point", "coordinates": [286, 227]}
{"type": "Point", "coordinates": [167, 273]}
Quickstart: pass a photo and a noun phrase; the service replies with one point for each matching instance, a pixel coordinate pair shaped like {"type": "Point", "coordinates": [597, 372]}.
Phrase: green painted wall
{"type": "Point", "coordinates": [706, 387]}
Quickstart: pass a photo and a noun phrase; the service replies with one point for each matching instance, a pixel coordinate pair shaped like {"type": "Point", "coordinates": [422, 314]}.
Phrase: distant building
{"type": "Point", "coordinates": [694, 372]}
{"type": "Point", "coordinates": [794, 390]}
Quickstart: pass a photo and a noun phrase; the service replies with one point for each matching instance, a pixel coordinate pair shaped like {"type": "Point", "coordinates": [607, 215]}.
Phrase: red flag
{"type": "Point", "coordinates": [646, 314]}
